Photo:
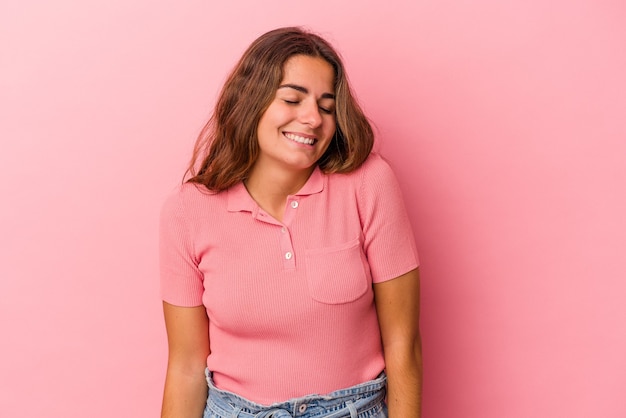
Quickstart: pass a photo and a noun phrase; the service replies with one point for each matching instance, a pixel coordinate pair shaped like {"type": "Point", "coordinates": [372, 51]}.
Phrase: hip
{"type": "Point", "coordinates": [365, 400]}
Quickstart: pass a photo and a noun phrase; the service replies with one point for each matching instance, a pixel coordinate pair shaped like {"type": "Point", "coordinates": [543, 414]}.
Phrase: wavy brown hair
{"type": "Point", "coordinates": [227, 146]}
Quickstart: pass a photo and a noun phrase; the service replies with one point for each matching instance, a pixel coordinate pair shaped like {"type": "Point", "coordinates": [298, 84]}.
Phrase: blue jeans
{"type": "Point", "coordinates": [366, 400]}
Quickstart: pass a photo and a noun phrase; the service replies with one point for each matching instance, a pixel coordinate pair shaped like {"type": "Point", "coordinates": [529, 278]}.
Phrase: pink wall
{"type": "Point", "coordinates": [505, 122]}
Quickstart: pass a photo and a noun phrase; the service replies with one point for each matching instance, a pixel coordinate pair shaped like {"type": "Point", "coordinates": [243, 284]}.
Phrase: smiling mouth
{"type": "Point", "coordinates": [300, 139]}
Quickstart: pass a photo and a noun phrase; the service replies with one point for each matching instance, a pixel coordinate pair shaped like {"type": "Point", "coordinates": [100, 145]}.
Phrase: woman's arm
{"type": "Point", "coordinates": [188, 341]}
{"type": "Point", "coordinates": [397, 306]}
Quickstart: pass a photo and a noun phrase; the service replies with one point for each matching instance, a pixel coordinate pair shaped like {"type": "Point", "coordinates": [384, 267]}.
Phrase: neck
{"type": "Point", "coordinates": [270, 187]}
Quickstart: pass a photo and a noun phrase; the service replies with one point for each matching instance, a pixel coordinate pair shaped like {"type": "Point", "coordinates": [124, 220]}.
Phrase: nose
{"type": "Point", "coordinates": [310, 115]}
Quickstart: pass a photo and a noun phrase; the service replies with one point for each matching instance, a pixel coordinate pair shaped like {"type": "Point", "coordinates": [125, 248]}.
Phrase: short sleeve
{"type": "Point", "coordinates": [181, 279]}
{"type": "Point", "coordinates": [389, 243]}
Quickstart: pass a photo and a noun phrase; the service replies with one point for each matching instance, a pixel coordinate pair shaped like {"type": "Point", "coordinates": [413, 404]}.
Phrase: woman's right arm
{"type": "Point", "coordinates": [185, 391]}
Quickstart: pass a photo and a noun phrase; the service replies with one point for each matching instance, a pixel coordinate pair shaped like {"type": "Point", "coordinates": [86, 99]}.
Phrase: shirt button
{"type": "Point", "coordinates": [294, 204]}
{"type": "Point", "coordinates": [302, 408]}
{"type": "Point", "coordinates": [283, 229]}
{"type": "Point", "coordinates": [288, 255]}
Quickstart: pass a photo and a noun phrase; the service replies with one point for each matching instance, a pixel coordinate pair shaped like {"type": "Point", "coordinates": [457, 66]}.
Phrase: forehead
{"type": "Point", "coordinates": [313, 71]}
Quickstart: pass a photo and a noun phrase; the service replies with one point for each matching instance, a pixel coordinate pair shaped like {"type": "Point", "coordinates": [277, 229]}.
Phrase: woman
{"type": "Point", "coordinates": [288, 268]}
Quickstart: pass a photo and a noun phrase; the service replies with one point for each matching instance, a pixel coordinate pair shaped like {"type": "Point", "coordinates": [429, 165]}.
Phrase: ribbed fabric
{"type": "Point", "coordinates": [290, 304]}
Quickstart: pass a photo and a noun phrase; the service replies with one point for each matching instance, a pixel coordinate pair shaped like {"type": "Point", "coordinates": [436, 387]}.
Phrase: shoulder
{"type": "Point", "coordinates": [188, 198]}
{"type": "Point", "coordinates": [374, 173]}
{"type": "Point", "coordinates": [376, 164]}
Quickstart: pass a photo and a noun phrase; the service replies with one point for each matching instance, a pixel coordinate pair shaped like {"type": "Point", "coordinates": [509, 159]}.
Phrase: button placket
{"type": "Point", "coordinates": [286, 248]}
{"type": "Point", "coordinates": [288, 253]}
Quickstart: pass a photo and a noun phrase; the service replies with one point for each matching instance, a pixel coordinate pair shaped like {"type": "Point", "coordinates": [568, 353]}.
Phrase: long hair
{"type": "Point", "coordinates": [227, 146]}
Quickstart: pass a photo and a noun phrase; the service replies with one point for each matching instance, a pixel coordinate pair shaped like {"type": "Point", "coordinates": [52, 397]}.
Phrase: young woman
{"type": "Point", "coordinates": [288, 268]}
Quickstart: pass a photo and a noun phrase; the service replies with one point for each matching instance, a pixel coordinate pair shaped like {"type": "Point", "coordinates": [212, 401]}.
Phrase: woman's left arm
{"type": "Point", "coordinates": [397, 306]}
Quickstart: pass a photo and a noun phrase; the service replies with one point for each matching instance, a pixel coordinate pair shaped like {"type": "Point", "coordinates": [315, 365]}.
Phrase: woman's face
{"type": "Point", "coordinates": [297, 127]}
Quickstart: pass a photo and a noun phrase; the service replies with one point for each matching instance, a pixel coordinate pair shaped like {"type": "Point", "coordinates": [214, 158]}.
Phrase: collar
{"type": "Point", "coordinates": [239, 200]}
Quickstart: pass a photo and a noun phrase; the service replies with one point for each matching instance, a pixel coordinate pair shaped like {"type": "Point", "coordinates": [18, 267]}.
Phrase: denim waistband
{"type": "Point", "coordinates": [364, 400]}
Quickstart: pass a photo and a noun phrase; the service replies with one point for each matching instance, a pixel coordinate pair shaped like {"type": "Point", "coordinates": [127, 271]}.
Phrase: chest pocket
{"type": "Point", "coordinates": [336, 274]}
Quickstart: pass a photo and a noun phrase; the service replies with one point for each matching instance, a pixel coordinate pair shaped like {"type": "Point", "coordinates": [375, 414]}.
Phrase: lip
{"type": "Point", "coordinates": [289, 134]}
{"type": "Point", "coordinates": [300, 134]}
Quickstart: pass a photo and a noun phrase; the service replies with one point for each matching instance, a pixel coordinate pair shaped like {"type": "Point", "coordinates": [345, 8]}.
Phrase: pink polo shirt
{"type": "Point", "coordinates": [290, 304]}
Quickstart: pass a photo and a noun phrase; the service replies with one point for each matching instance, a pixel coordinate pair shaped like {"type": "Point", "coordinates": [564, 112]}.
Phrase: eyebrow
{"type": "Point", "coordinates": [305, 90]}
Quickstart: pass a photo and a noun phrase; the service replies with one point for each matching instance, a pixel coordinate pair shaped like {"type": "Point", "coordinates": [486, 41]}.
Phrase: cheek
{"type": "Point", "coordinates": [273, 116]}
{"type": "Point", "coordinates": [331, 125]}
{"type": "Point", "coordinates": [330, 133]}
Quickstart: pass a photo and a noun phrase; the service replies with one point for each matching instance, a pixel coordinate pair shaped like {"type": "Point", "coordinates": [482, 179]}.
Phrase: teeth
{"type": "Point", "coordinates": [300, 139]}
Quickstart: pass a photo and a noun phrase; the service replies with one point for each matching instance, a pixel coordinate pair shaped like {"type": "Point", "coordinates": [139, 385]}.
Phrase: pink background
{"type": "Point", "coordinates": [505, 121]}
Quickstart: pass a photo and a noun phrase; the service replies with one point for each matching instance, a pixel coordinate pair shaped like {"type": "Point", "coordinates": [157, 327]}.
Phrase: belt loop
{"type": "Point", "coordinates": [352, 409]}
{"type": "Point", "coordinates": [236, 412]}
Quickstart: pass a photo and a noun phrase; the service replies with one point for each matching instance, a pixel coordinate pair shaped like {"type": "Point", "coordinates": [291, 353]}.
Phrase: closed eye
{"type": "Point", "coordinates": [326, 110]}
